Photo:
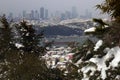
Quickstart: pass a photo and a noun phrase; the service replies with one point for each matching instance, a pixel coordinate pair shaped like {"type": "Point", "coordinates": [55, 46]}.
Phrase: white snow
{"type": "Point", "coordinates": [98, 44]}
{"type": "Point", "coordinates": [106, 26]}
{"type": "Point", "coordinates": [116, 60]}
{"type": "Point", "coordinates": [90, 29]}
{"type": "Point", "coordinates": [117, 77]}
{"type": "Point", "coordinates": [100, 62]}
{"type": "Point", "coordinates": [88, 52]}
{"type": "Point", "coordinates": [106, 50]}
{"type": "Point", "coordinates": [79, 61]}
{"type": "Point", "coordinates": [94, 24]}
{"type": "Point", "coordinates": [55, 56]}
{"type": "Point", "coordinates": [86, 69]}
{"type": "Point", "coordinates": [101, 66]}
{"type": "Point", "coordinates": [27, 34]}
{"type": "Point", "coordinates": [103, 74]}
{"type": "Point", "coordinates": [85, 79]}
{"type": "Point", "coordinates": [18, 45]}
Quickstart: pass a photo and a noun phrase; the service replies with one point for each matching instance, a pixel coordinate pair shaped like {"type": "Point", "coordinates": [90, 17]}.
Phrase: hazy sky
{"type": "Point", "coordinates": [17, 6]}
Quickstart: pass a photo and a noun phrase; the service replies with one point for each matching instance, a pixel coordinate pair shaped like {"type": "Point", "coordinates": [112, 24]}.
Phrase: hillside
{"type": "Point", "coordinates": [59, 30]}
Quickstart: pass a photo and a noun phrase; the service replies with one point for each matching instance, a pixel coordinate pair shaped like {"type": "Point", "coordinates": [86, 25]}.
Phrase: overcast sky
{"type": "Point", "coordinates": [17, 6]}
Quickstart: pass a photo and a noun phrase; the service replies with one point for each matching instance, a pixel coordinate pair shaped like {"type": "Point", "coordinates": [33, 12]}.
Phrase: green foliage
{"type": "Point", "coordinates": [111, 7]}
{"type": "Point", "coordinates": [71, 72]}
{"type": "Point", "coordinates": [24, 63]}
{"type": "Point", "coordinates": [26, 67]}
{"type": "Point", "coordinates": [6, 38]}
{"type": "Point", "coordinates": [111, 38]}
{"type": "Point", "coordinates": [101, 28]}
{"type": "Point", "coordinates": [84, 52]}
{"type": "Point", "coordinates": [100, 22]}
{"type": "Point", "coordinates": [30, 39]}
{"type": "Point", "coordinates": [4, 21]}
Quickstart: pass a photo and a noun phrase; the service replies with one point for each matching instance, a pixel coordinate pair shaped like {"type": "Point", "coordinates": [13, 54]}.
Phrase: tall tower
{"type": "Point", "coordinates": [42, 13]}
{"type": "Point", "coordinates": [10, 16]}
{"type": "Point", "coordinates": [36, 15]}
{"type": "Point", "coordinates": [46, 13]}
{"type": "Point", "coordinates": [32, 14]}
{"type": "Point", "coordinates": [68, 14]}
{"type": "Point", "coordinates": [24, 14]}
{"type": "Point", "coordinates": [74, 12]}
{"type": "Point", "coordinates": [88, 14]}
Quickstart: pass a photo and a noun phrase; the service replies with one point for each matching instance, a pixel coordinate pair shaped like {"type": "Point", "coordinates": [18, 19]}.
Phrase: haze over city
{"type": "Point", "coordinates": [17, 6]}
{"type": "Point", "coordinates": [59, 39]}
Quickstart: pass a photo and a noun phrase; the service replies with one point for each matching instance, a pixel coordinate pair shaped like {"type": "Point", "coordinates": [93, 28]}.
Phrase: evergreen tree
{"type": "Point", "coordinates": [5, 37]}
{"type": "Point", "coordinates": [99, 66]}
{"type": "Point", "coordinates": [22, 59]}
{"type": "Point", "coordinates": [111, 7]}
{"type": "Point", "coordinates": [86, 47]}
{"type": "Point", "coordinates": [30, 39]}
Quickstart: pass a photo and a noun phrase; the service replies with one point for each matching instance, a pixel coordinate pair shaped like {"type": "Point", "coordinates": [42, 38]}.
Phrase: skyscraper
{"type": "Point", "coordinates": [46, 13]}
{"type": "Point", "coordinates": [36, 15]}
{"type": "Point", "coordinates": [10, 16]}
{"type": "Point", "coordinates": [74, 12]}
{"type": "Point", "coordinates": [32, 14]}
{"type": "Point", "coordinates": [63, 16]}
{"type": "Point", "coordinates": [42, 13]}
{"type": "Point", "coordinates": [68, 15]}
{"type": "Point", "coordinates": [24, 14]}
{"type": "Point", "coordinates": [88, 14]}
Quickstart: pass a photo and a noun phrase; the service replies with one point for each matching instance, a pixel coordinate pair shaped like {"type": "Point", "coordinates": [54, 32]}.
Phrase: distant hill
{"type": "Point", "coordinates": [59, 30]}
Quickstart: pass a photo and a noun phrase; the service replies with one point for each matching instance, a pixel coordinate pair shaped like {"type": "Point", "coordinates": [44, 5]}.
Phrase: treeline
{"type": "Point", "coordinates": [61, 30]}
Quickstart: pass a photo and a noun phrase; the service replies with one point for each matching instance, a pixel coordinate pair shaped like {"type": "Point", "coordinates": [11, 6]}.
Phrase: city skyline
{"type": "Point", "coordinates": [43, 14]}
{"type": "Point", "coordinates": [17, 6]}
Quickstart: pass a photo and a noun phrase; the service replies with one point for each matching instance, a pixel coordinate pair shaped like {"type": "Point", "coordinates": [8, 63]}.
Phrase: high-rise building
{"type": "Point", "coordinates": [28, 16]}
{"type": "Point", "coordinates": [42, 13]}
{"type": "Point", "coordinates": [68, 14]}
{"type": "Point", "coordinates": [24, 14]}
{"type": "Point", "coordinates": [46, 13]}
{"type": "Point", "coordinates": [36, 15]}
{"type": "Point", "coordinates": [32, 14]}
{"type": "Point", "coordinates": [63, 16]}
{"type": "Point", "coordinates": [10, 16]}
{"type": "Point", "coordinates": [74, 12]}
{"type": "Point", "coordinates": [88, 14]}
